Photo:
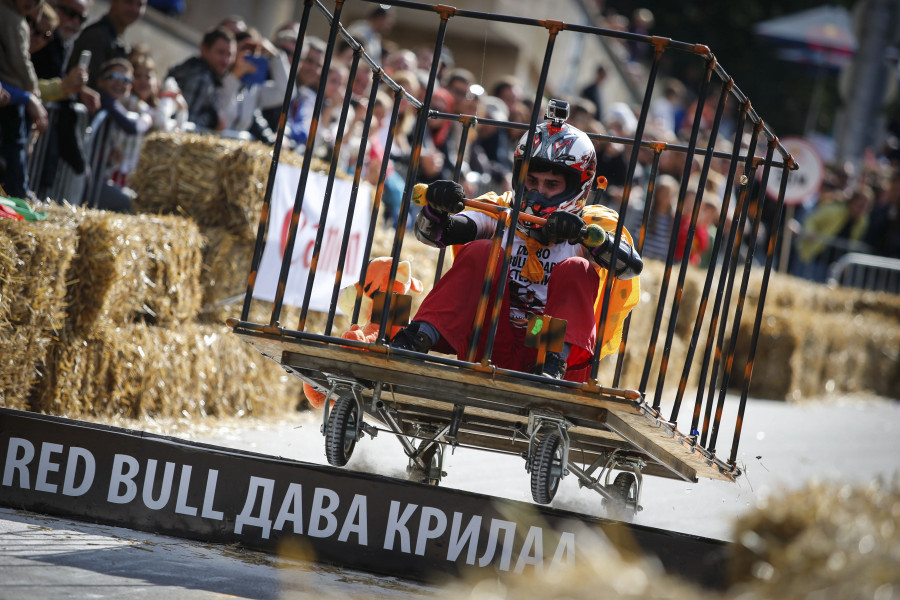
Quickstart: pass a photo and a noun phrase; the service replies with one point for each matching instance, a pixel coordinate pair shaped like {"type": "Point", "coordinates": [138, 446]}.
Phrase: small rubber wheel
{"type": "Point", "coordinates": [340, 432]}
{"type": "Point", "coordinates": [624, 488]}
{"type": "Point", "coordinates": [546, 468]}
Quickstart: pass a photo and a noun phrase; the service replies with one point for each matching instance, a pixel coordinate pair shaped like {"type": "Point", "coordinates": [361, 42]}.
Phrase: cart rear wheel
{"type": "Point", "coordinates": [624, 489]}
{"type": "Point", "coordinates": [546, 468]}
{"type": "Point", "coordinates": [340, 432]}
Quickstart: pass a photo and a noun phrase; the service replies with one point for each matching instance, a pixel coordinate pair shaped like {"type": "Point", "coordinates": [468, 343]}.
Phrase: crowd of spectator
{"type": "Point", "coordinates": [235, 86]}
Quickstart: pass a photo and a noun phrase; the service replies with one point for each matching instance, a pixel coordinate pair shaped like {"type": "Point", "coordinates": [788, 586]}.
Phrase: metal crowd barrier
{"type": "Point", "coordinates": [97, 151]}
{"type": "Point", "coordinates": [866, 271]}
{"type": "Point", "coordinates": [49, 175]}
{"type": "Point", "coordinates": [53, 178]}
{"type": "Point", "coordinates": [721, 311]}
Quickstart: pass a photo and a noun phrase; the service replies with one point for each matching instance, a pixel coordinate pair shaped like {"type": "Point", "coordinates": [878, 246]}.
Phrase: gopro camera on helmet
{"type": "Point", "coordinates": [557, 111]}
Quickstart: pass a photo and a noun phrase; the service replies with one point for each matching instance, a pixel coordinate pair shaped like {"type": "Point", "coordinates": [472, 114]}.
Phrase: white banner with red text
{"type": "Point", "coordinates": [284, 191]}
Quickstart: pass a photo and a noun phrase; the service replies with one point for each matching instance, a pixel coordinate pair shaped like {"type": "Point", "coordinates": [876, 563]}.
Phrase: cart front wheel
{"type": "Point", "coordinates": [340, 432]}
{"type": "Point", "coordinates": [547, 468]}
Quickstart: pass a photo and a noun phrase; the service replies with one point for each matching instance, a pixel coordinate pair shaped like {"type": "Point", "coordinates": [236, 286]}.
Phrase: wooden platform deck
{"type": "Point", "coordinates": [496, 403]}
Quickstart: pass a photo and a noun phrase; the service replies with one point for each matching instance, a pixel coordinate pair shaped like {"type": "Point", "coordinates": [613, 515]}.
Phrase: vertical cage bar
{"type": "Point", "coordinates": [609, 280]}
{"type": "Point", "coordinates": [770, 260]}
{"type": "Point", "coordinates": [263, 228]}
{"type": "Point", "coordinates": [467, 123]}
{"type": "Point", "coordinates": [304, 171]}
{"type": "Point", "coordinates": [742, 296]}
{"type": "Point", "coordinates": [744, 202]}
{"type": "Point", "coordinates": [554, 29]}
{"type": "Point", "coordinates": [376, 202]}
{"type": "Point", "coordinates": [329, 189]}
{"type": "Point", "coordinates": [676, 227]}
{"type": "Point", "coordinates": [445, 13]}
{"type": "Point", "coordinates": [726, 261]}
{"type": "Point", "coordinates": [642, 234]}
{"type": "Point", "coordinates": [682, 276]}
{"type": "Point", "coordinates": [354, 192]}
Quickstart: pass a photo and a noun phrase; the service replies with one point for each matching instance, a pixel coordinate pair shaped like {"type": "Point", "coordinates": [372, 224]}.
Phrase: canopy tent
{"type": "Point", "coordinates": [821, 37]}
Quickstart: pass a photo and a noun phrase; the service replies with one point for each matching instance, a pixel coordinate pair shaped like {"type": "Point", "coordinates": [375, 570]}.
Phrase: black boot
{"type": "Point", "coordinates": [410, 338]}
{"type": "Point", "coordinates": [554, 366]}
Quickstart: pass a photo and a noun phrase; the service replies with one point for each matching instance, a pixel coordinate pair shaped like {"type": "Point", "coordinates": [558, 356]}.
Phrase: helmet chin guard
{"type": "Point", "coordinates": [559, 148]}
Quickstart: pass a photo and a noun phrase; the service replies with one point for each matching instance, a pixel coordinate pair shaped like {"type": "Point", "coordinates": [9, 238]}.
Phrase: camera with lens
{"type": "Point", "coordinates": [557, 111]}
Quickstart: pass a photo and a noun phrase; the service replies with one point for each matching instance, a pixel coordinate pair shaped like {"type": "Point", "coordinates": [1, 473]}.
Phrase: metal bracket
{"type": "Point", "coordinates": [541, 419]}
{"type": "Point", "coordinates": [355, 388]}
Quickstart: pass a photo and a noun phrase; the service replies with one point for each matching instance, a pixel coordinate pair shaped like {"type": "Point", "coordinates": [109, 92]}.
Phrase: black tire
{"type": "Point", "coordinates": [624, 489]}
{"type": "Point", "coordinates": [340, 431]}
{"type": "Point", "coordinates": [546, 468]}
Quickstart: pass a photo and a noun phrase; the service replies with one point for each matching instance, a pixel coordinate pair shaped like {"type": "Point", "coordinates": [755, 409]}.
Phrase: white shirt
{"type": "Point", "coordinates": [527, 297]}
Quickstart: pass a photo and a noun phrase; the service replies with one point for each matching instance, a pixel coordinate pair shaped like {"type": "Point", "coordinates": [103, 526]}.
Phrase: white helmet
{"type": "Point", "coordinates": [562, 149]}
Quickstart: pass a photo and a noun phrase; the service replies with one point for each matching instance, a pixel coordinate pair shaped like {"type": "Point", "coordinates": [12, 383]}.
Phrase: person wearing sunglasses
{"type": "Point", "coordinates": [122, 145]}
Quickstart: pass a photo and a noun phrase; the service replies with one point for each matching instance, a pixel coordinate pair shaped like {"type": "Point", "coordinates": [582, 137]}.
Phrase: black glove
{"type": "Point", "coordinates": [445, 196]}
{"type": "Point", "coordinates": [562, 226]}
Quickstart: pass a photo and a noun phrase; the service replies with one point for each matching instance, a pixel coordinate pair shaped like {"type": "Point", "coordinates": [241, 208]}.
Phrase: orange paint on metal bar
{"type": "Point", "coordinates": [659, 43]}
{"type": "Point", "coordinates": [554, 26]}
{"type": "Point", "coordinates": [445, 11]}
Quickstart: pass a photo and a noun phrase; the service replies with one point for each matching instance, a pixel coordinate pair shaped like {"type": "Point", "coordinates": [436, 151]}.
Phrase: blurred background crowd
{"type": "Point", "coordinates": [66, 66]}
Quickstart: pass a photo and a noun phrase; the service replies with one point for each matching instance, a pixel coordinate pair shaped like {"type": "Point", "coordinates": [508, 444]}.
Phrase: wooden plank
{"type": "Point", "coordinates": [478, 394]}
{"type": "Point", "coordinates": [274, 346]}
{"type": "Point", "coordinates": [672, 443]}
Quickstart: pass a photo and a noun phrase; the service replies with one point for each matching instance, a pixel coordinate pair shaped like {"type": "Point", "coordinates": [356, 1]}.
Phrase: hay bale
{"type": "Point", "coordinates": [154, 178]}
{"type": "Point", "coordinates": [134, 268]}
{"type": "Point", "coordinates": [10, 276]}
{"type": "Point", "coordinates": [881, 365]}
{"type": "Point", "coordinates": [217, 182]}
{"type": "Point", "coordinates": [226, 265]}
{"type": "Point", "coordinates": [825, 541]}
{"type": "Point", "coordinates": [810, 355]}
{"type": "Point", "coordinates": [140, 370]}
{"type": "Point", "coordinates": [774, 375]}
{"type": "Point", "coordinates": [35, 259]}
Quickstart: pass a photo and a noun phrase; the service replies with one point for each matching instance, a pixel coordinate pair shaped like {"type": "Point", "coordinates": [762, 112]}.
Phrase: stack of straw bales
{"type": "Point", "coordinates": [100, 313]}
{"type": "Point", "coordinates": [216, 182]}
{"type": "Point", "coordinates": [817, 340]}
{"type": "Point", "coordinates": [137, 369]}
{"type": "Point", "coordinates": [34, 258]}
{"type": "Point", "coordinates": [219, 184]}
